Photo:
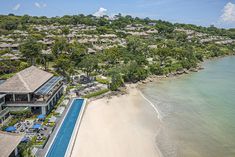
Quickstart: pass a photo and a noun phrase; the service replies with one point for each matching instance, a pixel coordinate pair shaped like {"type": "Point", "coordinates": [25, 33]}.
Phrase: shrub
{"type": "Point", "coordinates": [117, 81]}
{"type": "Point", "coordinates": [134, 73]}
{"type": "Point", "coordinates": [103, 81]}
{"type": "Point", "coordinates": [176, 67]}
{"type": "Point", "coordinates": [52, 124]}
{"type": "Point", "coordinates": [25, 149]}
{"type": "Point", "coordinates": [24, 113]}
{"type": "Point", "coordinates": [13, 122]}
{"type": "Point", "coordinates": [6, 76]}
{"type": "Point", "coordinates": [156, 69]}
{"type": "Point", "coordinates": [96, 93]}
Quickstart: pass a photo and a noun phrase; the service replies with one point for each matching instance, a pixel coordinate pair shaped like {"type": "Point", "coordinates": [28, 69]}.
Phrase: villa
{"type": "Point", "coordinates": [9, 46]}
{"type": "Point", "coordinates": [9, 56]}
{"type": "Point", "coordinates": [31, 88]}
{"type": "Point", "coordinates": [9, 143]}
{"type": "Point", "coordinates": [152, 24]}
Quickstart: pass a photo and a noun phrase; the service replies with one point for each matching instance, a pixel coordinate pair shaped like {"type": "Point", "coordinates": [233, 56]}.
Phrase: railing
{"type": "Point", "coordinates": [4, 112]}
{"type": "Point", "coordinates": [2, 102]}
{"type": "Point", "coordinates": [35, 100]}
{"type": "Point", "coordinates": [53, 93]}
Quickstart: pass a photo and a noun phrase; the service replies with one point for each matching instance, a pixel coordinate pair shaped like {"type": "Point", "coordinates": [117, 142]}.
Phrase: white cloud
{"type": "Point", "coordinates": [228, 13]}
{"type": "Point", "coordinates": [37, 4]}
{"type": "Point", "coordinates": [42, 5]}
{"type": "Point", "coordinates": [16, 7]}
{"type": "Point", "coordinates": [101, 12]}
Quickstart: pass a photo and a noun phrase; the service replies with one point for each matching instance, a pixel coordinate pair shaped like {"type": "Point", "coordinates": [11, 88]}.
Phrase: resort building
{"type": "Point", "coordinates": [32, 88]}
{"type": "Point", "coordinates": [9, 143]}
{"type": "Point", "coordinates": [4, 112]}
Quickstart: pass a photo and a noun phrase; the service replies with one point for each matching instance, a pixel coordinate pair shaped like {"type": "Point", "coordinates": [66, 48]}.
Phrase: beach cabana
{"type": "Point", "coordinates": [10, 129]}
{"type": "Point", "coordinates": [37, 126]}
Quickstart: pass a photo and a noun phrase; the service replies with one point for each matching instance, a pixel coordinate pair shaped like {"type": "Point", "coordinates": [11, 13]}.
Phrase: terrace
{"type": "Point", "coordinates": [35, 130]}
{"type": "Point", "coordinates": [44, 93]}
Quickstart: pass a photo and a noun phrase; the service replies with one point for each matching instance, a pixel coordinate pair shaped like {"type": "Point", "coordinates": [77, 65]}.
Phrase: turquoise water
{"type": "Point", "coordinates": [198, 111]}
{"type": "Point", "coordinates": [60, 144]}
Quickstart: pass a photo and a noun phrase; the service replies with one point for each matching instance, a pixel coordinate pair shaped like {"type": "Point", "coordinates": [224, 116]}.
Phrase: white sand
{"type": "Point", "coordinates": [123, 126]}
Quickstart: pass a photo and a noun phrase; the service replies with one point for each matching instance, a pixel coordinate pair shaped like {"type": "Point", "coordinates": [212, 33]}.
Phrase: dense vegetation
{"type": "Point", "coordinates": [132, 63]}
{"type": "Point", "coordinates": [12, 22]}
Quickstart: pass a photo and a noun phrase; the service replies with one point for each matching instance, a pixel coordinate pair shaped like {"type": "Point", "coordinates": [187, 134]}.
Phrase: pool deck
{"type": "Point", "coordinates": [43, 152]}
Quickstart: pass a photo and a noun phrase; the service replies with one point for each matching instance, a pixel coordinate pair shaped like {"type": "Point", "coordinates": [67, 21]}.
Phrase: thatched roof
{"type": "Point", "coordinates": [9, 56]}
{"type": "Point", "coordinates": [25, 81]}
{"type": "Point", "coordinates": [90, 50]}
{"type": "Point", "coordinates": [48, 51]}
{"type": "Point", "coordinates": [8, 142]}
{"type": "Point", "coordinates": [5, 45]}
{"type": "Point", "coordinates": [108, 36]}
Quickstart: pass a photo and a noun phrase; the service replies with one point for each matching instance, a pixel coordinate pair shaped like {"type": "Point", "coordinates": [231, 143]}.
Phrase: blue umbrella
{"type": "Point", "coordinates": [36, 126]}
{"type": "Point", "coordinates": [10, 129]}
{"type": "Point", "coordinates": [41, 116]}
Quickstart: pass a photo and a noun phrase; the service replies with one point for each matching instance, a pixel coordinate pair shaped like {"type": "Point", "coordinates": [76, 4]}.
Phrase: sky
{"type": "Point", "coordinates": [220, 13]}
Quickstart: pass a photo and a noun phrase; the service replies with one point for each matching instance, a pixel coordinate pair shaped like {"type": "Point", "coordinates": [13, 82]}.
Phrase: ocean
{"type": "Point", "coordinates": [197, 111]}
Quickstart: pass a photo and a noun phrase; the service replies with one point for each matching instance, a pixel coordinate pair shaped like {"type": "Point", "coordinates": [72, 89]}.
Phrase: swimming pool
{"type": "Point", "coordinates": [62, 139]}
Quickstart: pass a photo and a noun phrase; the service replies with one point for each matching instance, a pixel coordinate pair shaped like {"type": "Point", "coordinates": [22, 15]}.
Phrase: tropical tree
{"type": "Point", "coordinates": [156, 69]}
{"type": "Point", "coordinates": [133, 72]}
{"type": "Point", "coordinates": [60, 46]}
{"type": "Point", "coordinates": [63, 65]}
{"type": "Point", "coordinates": [25, 149]}
{"type": "Point", "coordinates": [76, 52]}
{"type": "Point", "coordinates": [116, 79]}
{"type": "Point", "coordinates": [161, 54]}
{"type": "Point", "coordinates": [111, 56]}
{"type": "Point", "coordinates": [65, 30]}
{"type": "Point", "coordinates": [31, 50]}
{"type": "Point", "coordinates": [44, 59]}
{"type": "Point", "coordinates": [137, 49]}
{"type": "Point", "coordinates": [88, 64]}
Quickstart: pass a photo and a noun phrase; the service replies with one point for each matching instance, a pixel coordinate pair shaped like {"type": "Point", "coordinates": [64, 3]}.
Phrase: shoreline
{"type": "Point", "coordinates": [151, 104]}
{"type": "Point", "coordinates": [108, 107]}
{"type": "Point", "coordinates": [106, 99]}
{"type": "Point", "coordinates": [177, 74]}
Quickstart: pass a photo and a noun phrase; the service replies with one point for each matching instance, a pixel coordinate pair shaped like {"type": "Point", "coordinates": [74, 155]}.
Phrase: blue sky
{"type": "Point", "coordinates": [221, 13]}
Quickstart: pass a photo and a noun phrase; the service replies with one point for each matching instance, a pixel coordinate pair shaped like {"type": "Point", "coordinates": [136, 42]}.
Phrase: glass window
{"type": "Point", "coordinates": [21, 97]}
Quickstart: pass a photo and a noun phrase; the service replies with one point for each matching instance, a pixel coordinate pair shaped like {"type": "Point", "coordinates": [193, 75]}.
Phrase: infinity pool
{"type": "Point", "coordinates": [62, 139]}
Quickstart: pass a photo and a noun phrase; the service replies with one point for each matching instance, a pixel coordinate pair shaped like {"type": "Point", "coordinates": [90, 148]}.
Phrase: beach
{"type": "Point", "coordinates": [120, 126]}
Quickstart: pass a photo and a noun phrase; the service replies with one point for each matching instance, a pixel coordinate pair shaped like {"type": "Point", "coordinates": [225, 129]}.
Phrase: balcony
{"type": "Point", "coordinates": [45, 98]}
{"type": "Point", "coordinates": [38, 99]}
{"type": "Point", "coordinates": [4, 112]}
